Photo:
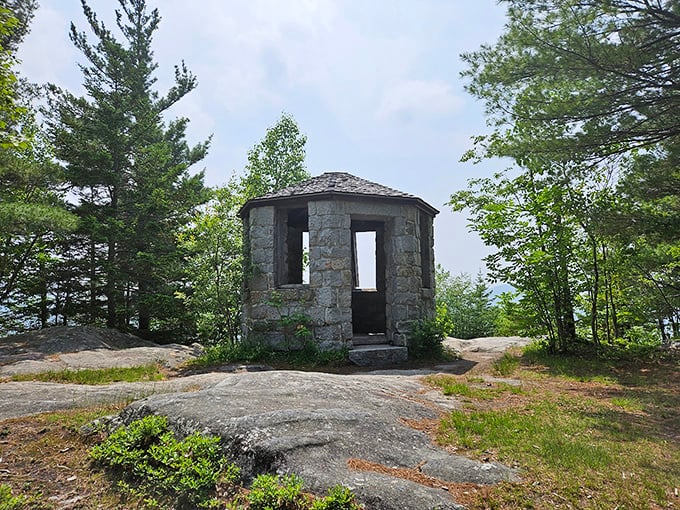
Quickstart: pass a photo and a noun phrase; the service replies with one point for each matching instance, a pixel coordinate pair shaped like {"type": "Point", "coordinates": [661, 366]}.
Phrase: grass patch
{"type": "Point", "coordinates": [506, 364]}
{"type": "Point", "coordinates": [546, 432]}
{"type": "Point", "coordinates": [587, 433]}
{"type": "Point", "coordinates": [629, 404]}
{"type": "Point", "coordinates": [582, 367]}
{"type": "Point", "coordinates": [475, 387]}
{"type": "Point", "coordinates": [309, 357]}
{"type": "Point", "coordinates": [589, 455]}
{"type": "Point", "coordinates": [97, 377]}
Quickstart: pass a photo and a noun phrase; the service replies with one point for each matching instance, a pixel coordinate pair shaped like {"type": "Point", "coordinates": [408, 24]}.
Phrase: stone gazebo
{"type": "Point", "coordinates": [288, 283]}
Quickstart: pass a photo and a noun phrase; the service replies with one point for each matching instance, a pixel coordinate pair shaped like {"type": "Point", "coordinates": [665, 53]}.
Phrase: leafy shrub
{"type": "Point", "coordinates": [308, 356]}
{"type": "Point", "coordinates": [339, 498]}
{"type": "Point", "coordinates": [272, 492]}
{"type": "Point", "coordinates": [9, 502]}
{"type": "Point", "coordinates": [229, 352]}
{"type": "Point", "coordinates": [426, 338]}
{"type": "Point", "coordinates": [150, 460]}
{"type": "Point", "coordinates": [639, 341]}
{"type": "Point", "coordinates": [469, 305]}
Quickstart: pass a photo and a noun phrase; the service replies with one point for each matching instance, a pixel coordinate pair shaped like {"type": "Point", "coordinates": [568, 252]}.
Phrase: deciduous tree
{"type": "Point", "coordinates": [215, 238]}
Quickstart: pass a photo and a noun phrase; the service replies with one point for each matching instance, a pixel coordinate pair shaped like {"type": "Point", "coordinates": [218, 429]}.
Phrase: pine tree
{"type": "Point", "coordinates": [129, 169]}
{"type": "Point", "coordinates": [32, 211]}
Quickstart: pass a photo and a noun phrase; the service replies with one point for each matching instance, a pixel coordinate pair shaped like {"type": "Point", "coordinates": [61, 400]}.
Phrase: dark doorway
{"type": "Point", "coordinates": [368, 277]}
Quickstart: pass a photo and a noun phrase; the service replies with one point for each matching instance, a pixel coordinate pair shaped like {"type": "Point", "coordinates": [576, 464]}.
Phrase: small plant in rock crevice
{"type": "Point", "coordinates": [295, 326]}
{"type": "Point", "coordinates": [339, 498]}
{"type": "Point", "coordinates": [284, 492]}
{"type": "Point", "coordinates": [149, 460]}
{"type": "Point", "coordinates": [11, 502]}
{"type": "Point", "coordinates": [276, 492]}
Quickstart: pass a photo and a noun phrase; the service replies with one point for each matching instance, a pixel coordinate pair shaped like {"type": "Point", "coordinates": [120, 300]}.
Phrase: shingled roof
{"type": "Point", "coordinates": [336, 185]}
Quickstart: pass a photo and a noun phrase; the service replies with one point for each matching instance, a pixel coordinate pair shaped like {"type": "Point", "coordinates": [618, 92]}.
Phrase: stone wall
{"type": "Point", "coordinates": [327, 299]}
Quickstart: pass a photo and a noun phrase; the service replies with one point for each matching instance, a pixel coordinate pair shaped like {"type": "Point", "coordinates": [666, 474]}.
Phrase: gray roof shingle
{"type": "Point", "coordinates": [336, 183]}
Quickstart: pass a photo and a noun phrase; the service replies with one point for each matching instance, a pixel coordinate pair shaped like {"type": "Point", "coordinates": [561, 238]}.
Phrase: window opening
{"type": "Point", "coordinates": [365, 243]}
{"type": "Point", "coordinates": [293, 247]}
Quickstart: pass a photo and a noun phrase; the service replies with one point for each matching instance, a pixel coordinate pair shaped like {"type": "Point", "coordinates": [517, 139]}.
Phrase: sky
{"type": "Point", "coordinates": [373, 84]}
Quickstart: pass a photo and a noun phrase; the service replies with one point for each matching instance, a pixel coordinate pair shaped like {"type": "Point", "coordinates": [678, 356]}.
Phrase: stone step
{"type": "Point", "coordinates": [370, 339]}
{"type": "Point", "coordinates": [378, 355]}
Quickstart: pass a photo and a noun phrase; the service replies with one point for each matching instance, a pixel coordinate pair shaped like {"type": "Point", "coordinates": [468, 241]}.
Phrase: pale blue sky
{"type": "Point", "coordinates": [373, 84]}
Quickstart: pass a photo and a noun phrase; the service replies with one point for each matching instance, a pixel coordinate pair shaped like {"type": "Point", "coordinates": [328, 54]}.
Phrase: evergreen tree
{"type": "Point", "coordinates": [467, 303]}
{"type": "Point", "coordinates": [129, 170]}
{"type": "Point", "coordinates": [32, 211]}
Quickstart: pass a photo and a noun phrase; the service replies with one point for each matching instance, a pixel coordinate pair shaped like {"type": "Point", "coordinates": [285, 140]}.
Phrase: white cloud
{"type": "Point", "coordinates": [374, 84]}
{"type": "Point", "coordinates": [47, 55]}
{"type": "Point", "coordinates": [411, 99]}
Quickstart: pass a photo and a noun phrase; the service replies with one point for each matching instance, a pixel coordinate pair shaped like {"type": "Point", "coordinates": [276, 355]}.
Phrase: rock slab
{"type": "Point", "coordinates": [312, 424]}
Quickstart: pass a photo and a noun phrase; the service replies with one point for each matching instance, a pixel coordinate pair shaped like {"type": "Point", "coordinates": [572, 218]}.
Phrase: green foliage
{"type": "Point", "coordinates": [214, 265]}
{"type": "Point", "coordinates": [129, 173]}
{"type": "Point", "coordinates": [506, 364]}
{"type": "Point", "coordinates": [32, 211]}
{"type": "Point", "coordinates": [587, 221]}
{"type": "Point", "coordinates": [578, 80]}
{"type": "Point", "coordinates": [527, 218]}
{"type": "Point", "coordinates": [514, 316]}
{"type": "Point", "coordinates": [149, 460]}
{"type": "Point", "coordinates": [294, 325]}
{"type": "Point", "coordinates": [427, 337]}
{"type": "Point", "coordinates": [465, 305]}
{"type": "Point", "coordinates": [10, 502]}
{"type": "Point", "coordinates": [99, 376]}
{"type": "Point", "coordinates": [308, 356]}
{"type": "Point", "coordinates": [277, 161]}
{"type": "Point", "coordinates": [214, 239]}
{"type": "Point", "coordinates": [274, 492]}
{"type": "Point", "coordinates": [339, 498]}
{"type": "Point", "coordinates": [11, 109]}
{"type": "Point", "coordinates": [231, 352]}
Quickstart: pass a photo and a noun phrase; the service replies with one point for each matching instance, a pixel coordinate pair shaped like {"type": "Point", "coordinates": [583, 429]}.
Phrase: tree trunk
{"type": "Point", "coordinates": [44, 304]}
{"type": "Point", "coordinates": [92, 311]}
{"type": "Point", "coordinates": [112, 269]}
{"type": "Point", "coordinates": [595, 291]}
{"type": "Point", "coordinates": [143, 307]}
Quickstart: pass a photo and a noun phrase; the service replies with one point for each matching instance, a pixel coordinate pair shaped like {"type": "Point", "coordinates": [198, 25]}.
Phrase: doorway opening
{"type": "Point", "coordinates": [368, 277]}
